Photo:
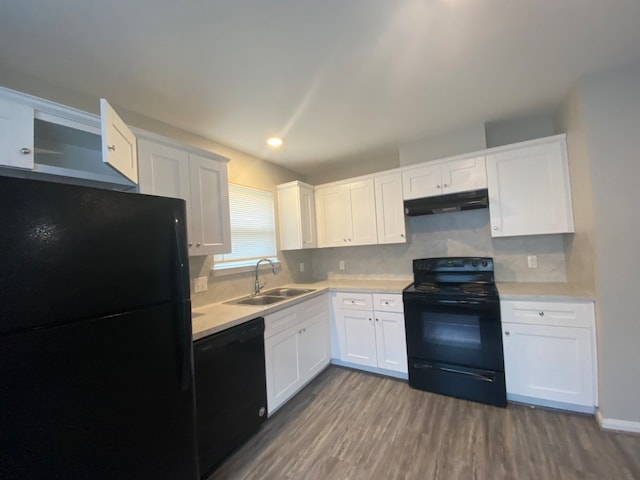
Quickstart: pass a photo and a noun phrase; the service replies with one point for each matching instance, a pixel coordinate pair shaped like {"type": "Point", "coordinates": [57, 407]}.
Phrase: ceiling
{"type": "Point", "coordinates": [335, 78]}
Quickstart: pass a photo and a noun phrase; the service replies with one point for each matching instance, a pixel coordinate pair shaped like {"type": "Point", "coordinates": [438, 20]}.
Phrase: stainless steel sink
{"type": "Point", "coordinates": [271, 296]}
{"type": "Point", "coordinates": [259, 300]}
{"type": "Point", "coordinates": [288, 292]}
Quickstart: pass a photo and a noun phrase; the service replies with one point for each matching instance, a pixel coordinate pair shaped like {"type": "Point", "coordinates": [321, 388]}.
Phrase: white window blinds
{"type": "Point", "coordinates": [253, 232]}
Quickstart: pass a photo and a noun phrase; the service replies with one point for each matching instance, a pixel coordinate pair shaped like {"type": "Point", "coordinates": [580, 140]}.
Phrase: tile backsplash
{"type": "Point", "coordinates": [452, 234]}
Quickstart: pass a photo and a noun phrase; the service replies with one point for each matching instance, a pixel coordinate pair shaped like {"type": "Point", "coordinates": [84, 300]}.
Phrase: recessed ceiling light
{"type": "Point", "coordinates": [274, 142]}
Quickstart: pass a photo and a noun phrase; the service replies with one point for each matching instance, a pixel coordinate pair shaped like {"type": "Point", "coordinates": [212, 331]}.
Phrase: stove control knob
{"type": "Point", "coordinates": [484, 264]}
{"type": "Point", "coordinates": [474, 263]}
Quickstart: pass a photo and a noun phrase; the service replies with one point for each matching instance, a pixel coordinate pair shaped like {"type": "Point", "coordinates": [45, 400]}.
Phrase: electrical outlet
{"type": "Point", "coordinates": [532, 261]}
{"type": "Point", "coordinates": [301, 266]}
{"type": "Point", "coordinates": [200, 285]}
{"type": "Point", "coordinates": [341, 265]}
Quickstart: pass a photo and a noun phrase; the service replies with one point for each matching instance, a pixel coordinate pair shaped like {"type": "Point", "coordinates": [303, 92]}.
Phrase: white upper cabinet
{"type": "Point", "coordinates": [443, 177]}
{"type": "Point", "coordinates": [16, 134]}
{"type": "Point", "coordinates": [297, 216]}
{"type": "Point", "coordinates": [210, 223]}
{"type": "Point", "coordinates": [363, 213]}
{"type": "Point", "coordinates": [346, 214]}
{"type": "Point", "coordinates": [118, 143]}
{"type": "Point", "coordinates": [529, 190]}
{"type": "Point", "coordinates": [171, 171]}
{"type": "Point", "coordinates": [390, 217]}
{"type": "Point", "coordinates": [163, 170]}
{"type": "Point", "coordinates": [42, 139]}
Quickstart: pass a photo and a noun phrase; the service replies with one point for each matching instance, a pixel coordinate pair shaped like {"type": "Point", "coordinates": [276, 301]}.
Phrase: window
{"type": "Point", "coordinates": [253, 231]}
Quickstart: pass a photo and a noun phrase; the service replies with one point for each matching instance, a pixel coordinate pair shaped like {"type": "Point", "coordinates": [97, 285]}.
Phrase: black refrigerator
{"type": "Point", "coordinates": [96, 364]}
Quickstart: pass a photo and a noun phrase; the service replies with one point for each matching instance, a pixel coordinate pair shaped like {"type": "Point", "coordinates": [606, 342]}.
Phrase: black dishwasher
{"type": "Point", "coordinates": [231, 394]}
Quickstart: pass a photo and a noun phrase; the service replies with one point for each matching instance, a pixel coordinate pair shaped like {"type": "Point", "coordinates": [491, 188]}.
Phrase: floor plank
{"type": "Point", "coordinates": [353, 425]}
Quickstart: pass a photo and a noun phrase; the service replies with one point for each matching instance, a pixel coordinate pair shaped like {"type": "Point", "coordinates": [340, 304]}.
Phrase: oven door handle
{"type": "Point", "coordinates": [461, 302]}
{"type": "Point", "coordinates": [477, 376]}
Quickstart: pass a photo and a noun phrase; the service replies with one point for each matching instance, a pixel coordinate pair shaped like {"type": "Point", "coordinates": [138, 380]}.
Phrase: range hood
{"type": "Point", "coordinates": [454, 202]}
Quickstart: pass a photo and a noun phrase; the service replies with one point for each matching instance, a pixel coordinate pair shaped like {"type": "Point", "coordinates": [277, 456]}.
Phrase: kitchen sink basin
{"type": "Point", "coordinates": [271, 296]}
{"type": "Point", "coordinates": [288, 292]}
{"type": "Point", "coordinates": [258, 300]}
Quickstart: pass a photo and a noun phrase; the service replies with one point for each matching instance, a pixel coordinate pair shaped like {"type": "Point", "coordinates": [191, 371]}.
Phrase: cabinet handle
{"type": "Point", "coordinates": [495, 227]}
{"type": "Point", "coordinates": [369, 319]}
{"type": "Point", "coordinates": [344, 240]}
{"type": "Point", "coordinates": [541, 314]}
{"type": "Point", "coordinates": [438, 186]}
{"type": "Point", "coordinates": [507, 332]}
{"type": "Point", "coordinates": [197, 244]}
{"type": "Point", "coordinates": [190, 244]}
{"type": "Point", "coordinates": [349, 239]}
{"type": "Point", "coordinates": [111, 148]}
{"type": "Point", "coordinates": [402, 235]}
{"type": "Point", "coordinates": [25, 151]}
{"type": "Point", "coordinates": [445, 185]}
{"type": "Point", "coordinates": [377, 320]}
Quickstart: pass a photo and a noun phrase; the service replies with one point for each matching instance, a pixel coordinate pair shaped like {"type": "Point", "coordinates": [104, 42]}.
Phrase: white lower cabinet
{"type": "Point", "coordinates": [369, 331]}
{"type": "Point", "coordinates": [296, 348]}
{"type": "Point", "coordinates": [550, 353]}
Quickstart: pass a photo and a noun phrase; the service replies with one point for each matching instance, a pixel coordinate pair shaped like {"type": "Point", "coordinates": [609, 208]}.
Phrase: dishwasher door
{"type": "Point", "coordinates": [231, 394]}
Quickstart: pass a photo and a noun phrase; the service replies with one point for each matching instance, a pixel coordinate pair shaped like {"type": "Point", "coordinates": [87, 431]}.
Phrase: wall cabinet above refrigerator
{"type": "Point", "coordinates": [42, 139]}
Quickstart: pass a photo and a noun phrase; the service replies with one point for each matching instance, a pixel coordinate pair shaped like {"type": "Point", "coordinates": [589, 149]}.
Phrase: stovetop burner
{"type": "Point", "coordinates": [457, 277]}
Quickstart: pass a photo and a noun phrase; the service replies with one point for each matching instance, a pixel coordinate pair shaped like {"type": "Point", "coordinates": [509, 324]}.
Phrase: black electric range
{"type": "Point", "coordinates": [453, 329]}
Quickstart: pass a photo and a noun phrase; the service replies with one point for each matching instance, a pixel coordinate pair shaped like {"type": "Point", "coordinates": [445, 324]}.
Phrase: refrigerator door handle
{"type": "Point", "coordinates": [176, 229]}
{"type": "Point", "coordinates": [185, 345]}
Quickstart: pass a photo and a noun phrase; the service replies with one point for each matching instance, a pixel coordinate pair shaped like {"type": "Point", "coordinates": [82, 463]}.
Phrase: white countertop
{"type": "Point", "coordinates": [541, 291]}
{"type": "Point", "coordinates": [213, 318]}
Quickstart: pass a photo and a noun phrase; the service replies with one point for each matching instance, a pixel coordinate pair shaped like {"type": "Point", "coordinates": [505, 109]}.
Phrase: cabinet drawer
{"type": "Point", "coordinates": [314, 306]}
{"type": "Point", "coordinates": [354, 301]}
{"type": "Point", "coordinates": [387, 302]}
{"type": "Point", "coordinates": [567, 314]}
{"type": "Point", "coordinates": [279, 321]}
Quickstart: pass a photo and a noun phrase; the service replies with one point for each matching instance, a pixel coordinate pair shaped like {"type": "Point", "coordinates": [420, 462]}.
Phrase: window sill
{"type": "Point", "coordinates": [223, 270]}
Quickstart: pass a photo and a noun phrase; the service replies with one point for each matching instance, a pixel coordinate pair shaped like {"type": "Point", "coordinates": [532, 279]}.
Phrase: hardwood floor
{"type": "Point", "coordinates": [353, 425]}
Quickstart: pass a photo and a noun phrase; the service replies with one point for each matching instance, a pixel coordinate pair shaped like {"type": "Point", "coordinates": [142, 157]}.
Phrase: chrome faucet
{"type": "Point", "coordinates": [274, 268]}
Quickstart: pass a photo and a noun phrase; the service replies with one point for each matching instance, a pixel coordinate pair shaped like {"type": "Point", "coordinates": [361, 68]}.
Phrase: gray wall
{"type": "Point", "coordinates": [611, 115]}
{"type": "Point", "coordinates": [449, 144]}
{"type": "Point", "coordinates": [504, 132]}
{"type": "Point", "coordinates": [451, 234]}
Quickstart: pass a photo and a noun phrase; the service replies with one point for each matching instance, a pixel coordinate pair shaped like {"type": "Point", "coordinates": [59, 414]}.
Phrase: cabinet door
{"type": "Point", "coordinates": [118, 143]}
{"type": "Point", "coordinates": [363, 213]}
{"type": "Point", "coordinates": [282, 368]}
{"type": "Point", "coordinates": [209, 206]}
{"type": "Point", "coordinates": [423, 181]}
{"type": "Point", "coordinates": [16, 135]}
{"type": "Point", "coordinates": [549, 362]}
{"type": "Point", "coordinates": [464, 175]}
{"type": "Point", "coordinates": [308, 217]}
{"type": "Point", "coordinates": [391, 344]}
{"type": "Point", "coordinates": [390, 217]}
{"type": "Point", "coordinates": [357, 337]}
{"type": "Point", "coordinates": [296, 216]}
{"type": "Point", "coordinates": [333, 208]}
{"type": "Point", "coordinates": [164, 171]}
{"type": "Point", "coordinates": [529, 192]}
{"type": "Point", "coordinates": [314, 346]}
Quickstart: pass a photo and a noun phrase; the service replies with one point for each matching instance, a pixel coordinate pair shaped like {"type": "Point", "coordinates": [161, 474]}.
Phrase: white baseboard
{"type": "Point", "coordinates": [617, 425]}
